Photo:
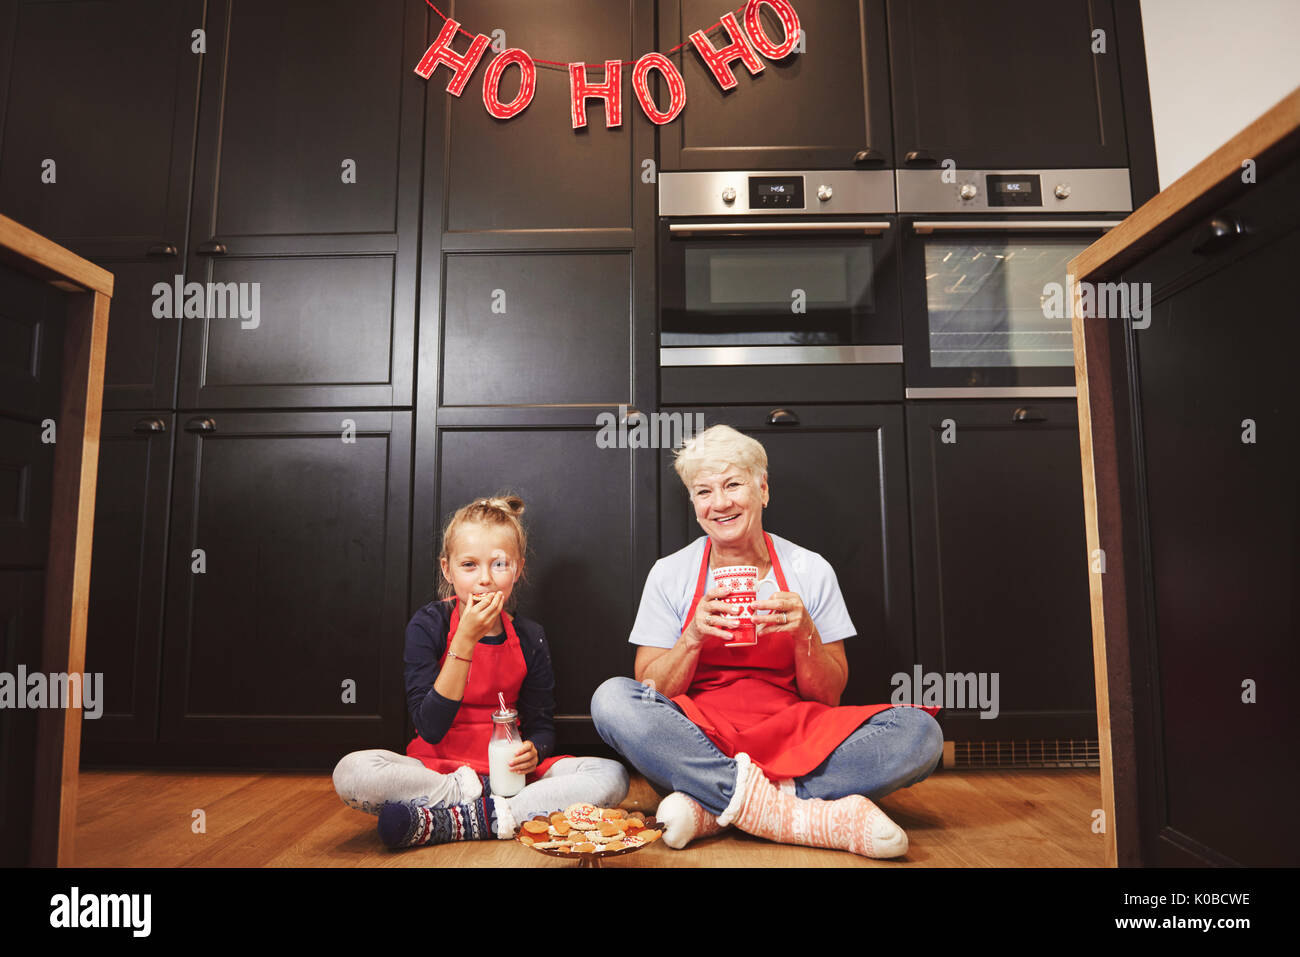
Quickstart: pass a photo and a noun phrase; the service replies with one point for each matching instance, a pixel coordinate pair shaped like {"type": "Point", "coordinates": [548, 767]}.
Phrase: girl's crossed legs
{"type": "Point", "coordinates": [366, 780]}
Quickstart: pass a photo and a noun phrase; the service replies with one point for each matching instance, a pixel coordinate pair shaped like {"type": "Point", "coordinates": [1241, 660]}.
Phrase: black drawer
{"type": "Point", "coordinates": [768, 385]}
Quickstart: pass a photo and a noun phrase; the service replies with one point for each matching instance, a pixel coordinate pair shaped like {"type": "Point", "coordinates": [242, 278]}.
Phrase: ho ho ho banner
{"type": "Point", "coordinates": [719, 60]}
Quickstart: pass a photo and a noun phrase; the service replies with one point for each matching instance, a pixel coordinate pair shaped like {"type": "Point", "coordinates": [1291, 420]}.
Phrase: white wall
{"type": "Point", "coordinates": [1214, 66]}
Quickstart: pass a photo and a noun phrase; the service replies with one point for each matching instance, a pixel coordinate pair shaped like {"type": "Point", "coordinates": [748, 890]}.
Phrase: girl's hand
{"type": "Point", "coordinates": [712, 618]}
{"type": "Point", "coordinates": [525, 759]}
{"type": "Point", "coordinates": [477, 616]}
{"type": "Point", "coordinates": [788, 615]}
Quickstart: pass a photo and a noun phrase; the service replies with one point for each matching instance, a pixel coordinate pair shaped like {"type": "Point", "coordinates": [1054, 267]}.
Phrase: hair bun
{"type": "Point", "coordinates": [508, 503]}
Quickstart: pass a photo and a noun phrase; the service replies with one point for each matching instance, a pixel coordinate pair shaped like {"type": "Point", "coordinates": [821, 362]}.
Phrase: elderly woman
{"type": "Point", "coordinates": [713, 724]}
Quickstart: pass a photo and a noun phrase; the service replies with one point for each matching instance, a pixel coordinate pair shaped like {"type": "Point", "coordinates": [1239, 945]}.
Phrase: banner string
{"type": "Point", "coordinates": [565, 66]}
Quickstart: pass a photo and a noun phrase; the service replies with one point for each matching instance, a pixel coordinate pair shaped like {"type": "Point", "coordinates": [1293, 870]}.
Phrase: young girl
{"type": "Point", "coordinates": [460, 652]}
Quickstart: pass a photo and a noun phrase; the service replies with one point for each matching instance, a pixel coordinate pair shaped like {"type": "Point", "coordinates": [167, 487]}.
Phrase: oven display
{"type": "Point", "coordinates": [1013, 190]}
{"type": "Point", "coordinates": [776, 192]}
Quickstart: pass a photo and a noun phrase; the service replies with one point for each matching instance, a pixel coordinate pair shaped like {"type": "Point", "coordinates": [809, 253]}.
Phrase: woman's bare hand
{"type": "Point", "coordinates": [712, 618]}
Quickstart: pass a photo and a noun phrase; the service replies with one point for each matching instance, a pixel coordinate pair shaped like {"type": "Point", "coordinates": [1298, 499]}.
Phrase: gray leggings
{"type": "Point", "coordinates": [367, 779]}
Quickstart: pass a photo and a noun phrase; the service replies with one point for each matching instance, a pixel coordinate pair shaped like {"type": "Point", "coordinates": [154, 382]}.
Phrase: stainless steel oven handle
{"type": "Point", "coordinates": [689, 229]}
{"type": "Point", "coordinates": [1041, 225]}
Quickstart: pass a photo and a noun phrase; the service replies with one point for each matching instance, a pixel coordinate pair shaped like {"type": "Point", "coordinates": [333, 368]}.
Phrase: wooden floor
{"type": "Point", "coordinates": [953, 819]}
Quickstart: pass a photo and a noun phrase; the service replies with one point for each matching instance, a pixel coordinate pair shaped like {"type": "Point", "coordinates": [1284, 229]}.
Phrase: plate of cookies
{"type": "Point", "coordinates": [588, 833]}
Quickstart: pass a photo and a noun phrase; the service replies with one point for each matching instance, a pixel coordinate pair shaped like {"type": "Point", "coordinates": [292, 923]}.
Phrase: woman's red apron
{"type": "Point", "coordinates": [495, 668]}
{"type": "Point", "coordinates": [747, 699]}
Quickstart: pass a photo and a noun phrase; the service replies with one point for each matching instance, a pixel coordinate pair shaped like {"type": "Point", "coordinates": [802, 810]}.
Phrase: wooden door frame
{"type": "Point", "coordinates": [72, 523]}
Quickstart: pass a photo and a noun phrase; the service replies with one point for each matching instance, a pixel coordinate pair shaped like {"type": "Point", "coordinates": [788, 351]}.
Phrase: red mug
{"type": "Point", "coordinates": [741, 582]}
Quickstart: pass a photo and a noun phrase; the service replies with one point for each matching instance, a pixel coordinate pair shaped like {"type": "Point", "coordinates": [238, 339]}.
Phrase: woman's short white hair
{"type": "Point", "coordinates": [717, 449]}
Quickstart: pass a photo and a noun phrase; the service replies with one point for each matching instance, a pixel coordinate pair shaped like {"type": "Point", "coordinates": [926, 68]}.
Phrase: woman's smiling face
{"type": "Point", "coordinates": [483, 559]}
{"type": "Point", "coordinates": [729, 505]}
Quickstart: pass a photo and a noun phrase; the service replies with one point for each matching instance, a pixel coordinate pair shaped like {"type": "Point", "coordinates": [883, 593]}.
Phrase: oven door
{"type": "Point", "coordinates": [792, 282]}
{"type": "Point", "coordinates": [987, 303]}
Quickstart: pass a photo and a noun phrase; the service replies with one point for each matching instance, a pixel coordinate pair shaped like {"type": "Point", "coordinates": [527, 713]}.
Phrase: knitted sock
{"type": "Point", "coordinates": [684, 820]}
{"type": "Point", "coordinates": [851, 823]}
{"type": "Point", "coordinates": [406, 825]}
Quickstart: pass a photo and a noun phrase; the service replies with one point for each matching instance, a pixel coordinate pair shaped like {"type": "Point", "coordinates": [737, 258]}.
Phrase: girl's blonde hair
{"type": "Point", "coordinates": [502, 509]}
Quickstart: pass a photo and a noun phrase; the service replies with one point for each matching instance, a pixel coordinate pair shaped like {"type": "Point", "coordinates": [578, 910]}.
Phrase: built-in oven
{"type": "Point", "coordinates": [778, 268]}
{"type": "Point", "coordinates": [984, 256]}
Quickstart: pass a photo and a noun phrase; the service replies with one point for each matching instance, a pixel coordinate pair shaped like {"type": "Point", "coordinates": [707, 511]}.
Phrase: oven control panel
{"type": "Point", "coordinates": [1020, 191]}
{"type": "Point", "coordinates": [764, 193]}
{"type": "Point", "coordinates": [776, 192]}
{"type": "Point", "coordinates": [1014, 189]}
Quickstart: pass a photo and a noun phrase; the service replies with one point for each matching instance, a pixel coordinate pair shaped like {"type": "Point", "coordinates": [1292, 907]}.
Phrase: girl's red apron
{"type": "Point", "coordinates": [495, 668]}
{"type": "Point", "coordinates": [747, 699]}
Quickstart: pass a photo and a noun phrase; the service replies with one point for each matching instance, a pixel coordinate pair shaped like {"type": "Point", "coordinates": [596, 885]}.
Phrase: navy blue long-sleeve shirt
{"type": "Point", "coordinates": [432, 714]}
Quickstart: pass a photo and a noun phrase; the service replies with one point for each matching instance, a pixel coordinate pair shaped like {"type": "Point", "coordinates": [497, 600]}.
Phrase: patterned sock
{"type": "Point", "coordinates": [406, 825]}
{"type": "Point", "coordinates": [684, 820]}
{"type": "Point", "coordinates": [851, 823]}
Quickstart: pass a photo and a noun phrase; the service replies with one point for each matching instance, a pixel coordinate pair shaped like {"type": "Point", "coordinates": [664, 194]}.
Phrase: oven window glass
{"type": "Point", "coordinates": [754, 292]}
{"type": "Point", "coordinates": [986, 302]}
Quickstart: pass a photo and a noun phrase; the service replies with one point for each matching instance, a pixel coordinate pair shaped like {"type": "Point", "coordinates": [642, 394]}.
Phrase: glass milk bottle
{"type": "Point", "coordinates": [506, 740]}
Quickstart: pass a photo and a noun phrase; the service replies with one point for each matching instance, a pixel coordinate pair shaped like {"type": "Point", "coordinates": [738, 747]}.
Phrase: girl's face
{"type": "Point", "coordinates": [482, 559]}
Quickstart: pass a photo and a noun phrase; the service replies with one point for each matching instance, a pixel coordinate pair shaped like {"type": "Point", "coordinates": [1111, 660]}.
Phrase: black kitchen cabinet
{"type": "Point", "coordinates": [1006, 84]}
{"type": "Point", "coordinates": [1214, 405]}
{"type": "Point", "coordinates": [838, 487]}
{"type": "Point", "coordinates": [107, 93]}
{"type": "Point", "coordinates": [1001, 566]}
{"type": "Point", "coordinates": [510, 322]}
{"type": "Point", "coordinates": [534, 295]}
{"type": "Point", "coordinates": [31, 357]}
{"type": "Point", "coordinates": [307, 186]}
{"type": "Point", "coordinates": [590, 520]}
{"type": "Point", "coordinates": [288, 564]}
{"type": "Point", "coordinates": [125, 618]}
{"type": "Point", "coordinates": [827, 108]}
{"type": "Point", "coordinates": [534, 171]}
{"type": "Point", "coordinates": [31, 361]}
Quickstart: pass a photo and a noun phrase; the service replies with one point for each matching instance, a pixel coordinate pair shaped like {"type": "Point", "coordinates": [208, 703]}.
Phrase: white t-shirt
{"type": "Point", "coordinates": [670, 588]}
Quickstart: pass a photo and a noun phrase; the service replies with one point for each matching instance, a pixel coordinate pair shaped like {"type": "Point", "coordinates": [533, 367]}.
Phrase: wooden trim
{"type": "Point", "coordinates": [1168, 211]}
{"type": "Point", "coordinates": [67, 574]}
{"type": "Point", "coordinates": [45, 259]}
{"type": "Point", "coordinates": [1103, 517]}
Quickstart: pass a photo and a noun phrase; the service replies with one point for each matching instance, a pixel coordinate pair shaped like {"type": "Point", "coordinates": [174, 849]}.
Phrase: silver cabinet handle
{"type": "Point", "coordinates": [1040, 225]}
{"type": "Point", "coordinates": [691, 229]}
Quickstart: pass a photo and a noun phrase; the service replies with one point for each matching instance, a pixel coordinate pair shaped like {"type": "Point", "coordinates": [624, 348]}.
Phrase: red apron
{"type": "Point", "coordinates": [495, 668]}
{"type": "Point", "coordinates": [747, 699]}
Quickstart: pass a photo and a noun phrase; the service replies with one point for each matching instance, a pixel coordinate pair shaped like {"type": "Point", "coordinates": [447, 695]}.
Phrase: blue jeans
{"type": "Point", "coordinates": [893, 749]}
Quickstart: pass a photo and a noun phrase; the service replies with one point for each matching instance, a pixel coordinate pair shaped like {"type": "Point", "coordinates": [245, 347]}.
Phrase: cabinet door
{"type": "Point", "coordinates": [589, 539]}
{"type": "Point", "coordinates": [31, 361]}
{"type": "Point", "coordinates": [510, 322]}
{"type": "Point", "coordinates": [124, 622]}
{"type": "Point", "coordinates": [839, 488]}
{"type": "Point", "coordinates": [826, 108]}
{"type": "Point", "coordinates": [1216, 405]}
{"type": "Point", "coordinates": [287, 582]}
{"type": "Point", "coordinates": [306, 206]}
{"type": "Point", "coordinates": [1001, 563]}
{"type": "Point", "coordinates": [107, 92]}
{"type": "Point", "coordinates": [534, 171]}
{"type": "Point", "coordinates": [1006, 84]}
{"type": "Point", "coordinates": [22, 600]}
